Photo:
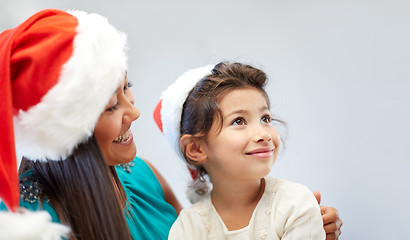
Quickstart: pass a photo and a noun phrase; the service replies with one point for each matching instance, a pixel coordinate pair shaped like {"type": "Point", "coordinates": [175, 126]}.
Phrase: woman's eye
{"type": "Point", "coordinates": [128, 85]}
{"type": "Point", "coordinates": [113, 108]}
{"type": "Point", "coordinates": [238, 121]}
{"type": "Point", "coordinates": [266, 119]}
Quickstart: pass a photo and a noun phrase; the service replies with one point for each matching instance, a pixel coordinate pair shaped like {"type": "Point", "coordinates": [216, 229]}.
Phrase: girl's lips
{"type": "Point", "coordinates": [262, 152]}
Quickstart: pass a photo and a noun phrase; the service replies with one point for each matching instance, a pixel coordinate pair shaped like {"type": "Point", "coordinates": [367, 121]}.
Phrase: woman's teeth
{"type": "Point", "coordinates": [123, 138]}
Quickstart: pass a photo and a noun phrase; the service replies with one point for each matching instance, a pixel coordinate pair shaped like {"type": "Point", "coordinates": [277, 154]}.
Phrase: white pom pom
{"type": "Point", "coordinates": [197, 189]}
{"type": "Point", "coordinates": [26, 224]}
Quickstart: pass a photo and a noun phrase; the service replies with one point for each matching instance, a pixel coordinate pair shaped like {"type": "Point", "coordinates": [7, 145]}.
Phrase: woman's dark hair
{"type": "Point", "coordinates": [201, 108]}
{"type": "Point", "coordinates": [86, 193]}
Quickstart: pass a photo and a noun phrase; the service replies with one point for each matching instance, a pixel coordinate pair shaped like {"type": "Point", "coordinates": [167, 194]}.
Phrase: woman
{"type": "Point", "coordinates": [64, 83]}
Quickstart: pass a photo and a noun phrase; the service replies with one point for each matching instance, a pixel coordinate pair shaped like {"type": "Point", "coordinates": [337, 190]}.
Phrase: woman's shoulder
{"type": "Point", "coordinates": [31, 196]}
{"type": "Point", "coordinates": [30, 189]}
{"type": "Point", "coordinates": [138, 178]}
{"type": "Point", "coordinates": [136, 165]}
{"type": "Point", "coordinates": [137, 172]}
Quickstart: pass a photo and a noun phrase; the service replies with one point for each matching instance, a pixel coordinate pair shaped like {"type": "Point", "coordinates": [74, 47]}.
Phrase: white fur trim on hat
{"type": "Point", "coordinates": [67, 114]}
{"type": "Point", "coordinates": [30, 225]}
{"type": "Point", "coordinates": [173, 100]}
{"type": "Point", "coordinates": [197, 190]}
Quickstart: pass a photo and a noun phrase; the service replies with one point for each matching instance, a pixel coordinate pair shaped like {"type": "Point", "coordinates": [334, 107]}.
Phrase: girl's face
{"type": "Point", "coordinates": [112, 130]}
{"type": "Point", "coordinates": [248, 144]}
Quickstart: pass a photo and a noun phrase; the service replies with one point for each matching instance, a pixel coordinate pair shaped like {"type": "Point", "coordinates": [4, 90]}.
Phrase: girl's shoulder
{"type": "Point", "coordinates": [286, 188]}
{"type": "Point", "coordinates": [290, 198]}
{"type": "Point", "coordinates": [203, 206]}
{"type": "Point", "coordinates": [294, 210]}
{"type": "Point", "coordinates": [197, 212]}
{"type": "Point", "coordinates": [194, 221]}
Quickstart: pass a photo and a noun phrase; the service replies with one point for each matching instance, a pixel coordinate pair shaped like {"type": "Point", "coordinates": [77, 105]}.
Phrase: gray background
{"type": "Point", "coordinates": [340, 78]}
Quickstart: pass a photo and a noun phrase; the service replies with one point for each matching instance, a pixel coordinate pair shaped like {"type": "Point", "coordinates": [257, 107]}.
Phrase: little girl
{"type": "Point", "coordinates": [223, 129]}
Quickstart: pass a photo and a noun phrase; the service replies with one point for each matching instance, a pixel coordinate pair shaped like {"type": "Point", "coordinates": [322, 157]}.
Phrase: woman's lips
{"type": "Point", "coordinates": [124, 139]}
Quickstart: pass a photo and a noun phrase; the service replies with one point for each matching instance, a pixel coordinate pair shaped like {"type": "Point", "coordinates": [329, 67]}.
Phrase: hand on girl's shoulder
{"type": "Point", "coordinates": [291, 191]}
{"type": "Point", "coordinates": [292, 198]}
{"type": "Point", "coordinates": [296, 210]}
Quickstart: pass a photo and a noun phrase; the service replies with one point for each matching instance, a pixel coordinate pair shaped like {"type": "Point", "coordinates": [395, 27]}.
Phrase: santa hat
{"type": "Point", "coordinates": [58, 71]}
{"type": "Point", "coordinates": [167, 115]}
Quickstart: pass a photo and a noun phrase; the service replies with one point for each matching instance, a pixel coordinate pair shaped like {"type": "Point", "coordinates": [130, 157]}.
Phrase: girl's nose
{"type": "Point", "coordinates": [266, 137]}
{"type": "Point", "coordinates": [262, 134]}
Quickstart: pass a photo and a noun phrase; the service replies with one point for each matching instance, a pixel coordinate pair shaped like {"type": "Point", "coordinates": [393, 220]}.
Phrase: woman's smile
{"type": "Point", "coordinates": [113, 129]}
{"type": "Point", "coordinates": [126, 138]}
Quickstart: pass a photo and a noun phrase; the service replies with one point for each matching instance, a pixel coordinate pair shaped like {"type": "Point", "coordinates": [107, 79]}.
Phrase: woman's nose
{"type": "Point", "coordinates": [132, 113]}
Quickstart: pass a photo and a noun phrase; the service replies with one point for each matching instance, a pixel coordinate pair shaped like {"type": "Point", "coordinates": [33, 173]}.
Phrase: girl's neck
{"type": "Point", "coordinates": [235, 202]}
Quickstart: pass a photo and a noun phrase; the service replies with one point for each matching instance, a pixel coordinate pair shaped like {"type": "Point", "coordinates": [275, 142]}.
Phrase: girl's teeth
{"type": "Point", "coordinates": [124, 137]}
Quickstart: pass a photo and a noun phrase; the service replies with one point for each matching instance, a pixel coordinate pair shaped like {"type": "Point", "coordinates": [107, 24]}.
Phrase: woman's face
{"type": "Point", "coordinates": [112, 130]}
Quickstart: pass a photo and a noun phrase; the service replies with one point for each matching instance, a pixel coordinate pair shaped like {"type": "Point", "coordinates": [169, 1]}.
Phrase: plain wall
{"type": "Point", "coordinates": [340, 78]}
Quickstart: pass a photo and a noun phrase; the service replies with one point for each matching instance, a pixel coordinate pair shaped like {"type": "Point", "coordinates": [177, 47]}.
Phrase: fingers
{"type": "Point", "coordinates": [333, 226]}
{"type": "Point", "coordinates": [329, 214]}
{"type": "Point", "coordinates": [332, 223]}
{"type": "Point", "coordinates": [331, 233]}
{"type": "Point", "coordinates": [317, 196]}
{"type": "Point", "coordinates": [333, 236]}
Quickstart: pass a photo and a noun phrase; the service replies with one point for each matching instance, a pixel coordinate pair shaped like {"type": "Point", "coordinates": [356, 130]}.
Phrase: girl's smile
{"type": "Point", "coordinates": [262, 152]}
{"type": "Point", "coordinates": [247, 144]}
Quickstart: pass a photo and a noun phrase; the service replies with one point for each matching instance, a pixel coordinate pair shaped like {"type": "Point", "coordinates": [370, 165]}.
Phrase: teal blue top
{"type": "Point", "coordinates": [151, 217]}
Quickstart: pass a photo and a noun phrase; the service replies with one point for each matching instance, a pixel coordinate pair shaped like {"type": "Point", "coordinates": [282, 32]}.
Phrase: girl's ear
{"type": "Point", "coordinates": [193, 148]}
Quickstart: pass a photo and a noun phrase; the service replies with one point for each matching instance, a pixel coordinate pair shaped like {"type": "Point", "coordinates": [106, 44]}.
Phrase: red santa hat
{"type": "Point", "coordinates": [58, 71]}
{"type": "Point", "coordinates": [167, 115]}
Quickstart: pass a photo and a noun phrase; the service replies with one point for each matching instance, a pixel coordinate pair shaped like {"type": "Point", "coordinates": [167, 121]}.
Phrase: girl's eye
{"type": "Point", "coordinates": [238, 121]}
{"type": "Point", "coordinates": [128, 85]}
{"type": "Point", "coordinates": [113, 108]}
{"type": "Point", "coordinates": [266, 119]}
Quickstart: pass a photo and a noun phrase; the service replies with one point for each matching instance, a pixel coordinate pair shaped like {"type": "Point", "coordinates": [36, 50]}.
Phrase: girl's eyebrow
{"type": "Point", "coordinates": [241, 111]}
{"type": "Point", "coordinates": [236, 112]}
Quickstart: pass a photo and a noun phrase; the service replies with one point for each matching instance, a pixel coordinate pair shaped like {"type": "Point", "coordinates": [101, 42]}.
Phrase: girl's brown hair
{"type": "Point", "coordinates": [201, 108]}
{"type": "Point", "coordinates": [83, 190]}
